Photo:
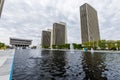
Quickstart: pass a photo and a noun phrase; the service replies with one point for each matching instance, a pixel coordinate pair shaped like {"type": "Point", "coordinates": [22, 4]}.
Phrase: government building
{"type": "Point", "coordinates": [17, 42]}
{"type": "Point", "coordinates": [1, 6]}
{"type": "Point", "coordinates": [89, 23]}
{"type": "Point", "coordinates": [46, 39]}
{"type": "Point", "coordinates": [59, 34]}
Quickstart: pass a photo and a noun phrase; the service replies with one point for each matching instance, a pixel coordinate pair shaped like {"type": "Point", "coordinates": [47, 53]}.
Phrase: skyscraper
{"type": "Point", "coordinates": [46, 39]}
{"type": "Point", "coordinates": [1, 6]}
{"type": "Point", "coordinates": [89, 23]}
{"type": "Point", "coordinates": [59, 33]}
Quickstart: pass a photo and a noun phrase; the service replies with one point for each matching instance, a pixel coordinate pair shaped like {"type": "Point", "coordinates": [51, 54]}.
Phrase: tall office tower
{"type": "Point", "coordinates": [89, 23]}
{"type": "Point", "coordinates": [59, 33]}
{"type": "Point", "coordinates": [1, 6]}
{"type": "Point", "coordinates": [46, 39]}
{"type": "Point", "coordinates": [51, 37]}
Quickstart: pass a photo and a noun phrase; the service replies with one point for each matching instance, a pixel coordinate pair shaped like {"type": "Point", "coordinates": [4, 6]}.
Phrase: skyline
{"type": "Point", "coordinates": [27, 18]}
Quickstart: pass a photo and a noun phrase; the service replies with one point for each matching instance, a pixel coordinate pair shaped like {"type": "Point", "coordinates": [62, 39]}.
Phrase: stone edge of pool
{"type": "Point", "coordinates": [112, 51]}
{"type": "Point", "coordinates": [7, 69]}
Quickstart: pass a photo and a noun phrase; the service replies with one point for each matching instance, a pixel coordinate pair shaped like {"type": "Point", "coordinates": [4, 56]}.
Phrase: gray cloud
{"type": "Point", "coordinates": [27, 18]}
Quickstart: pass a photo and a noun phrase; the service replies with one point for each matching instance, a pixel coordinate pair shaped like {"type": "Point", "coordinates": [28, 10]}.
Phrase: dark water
{"type": "Point", "coordinates": [65, 65]}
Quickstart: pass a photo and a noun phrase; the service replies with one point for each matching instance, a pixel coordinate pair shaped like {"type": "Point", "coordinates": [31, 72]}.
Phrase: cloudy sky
{"type": "Point", "coordinates": [27, 18]}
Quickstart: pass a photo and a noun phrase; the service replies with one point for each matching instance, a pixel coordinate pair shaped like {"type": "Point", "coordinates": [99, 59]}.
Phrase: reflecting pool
{"type": "Point", "coordinates": [65, 65]}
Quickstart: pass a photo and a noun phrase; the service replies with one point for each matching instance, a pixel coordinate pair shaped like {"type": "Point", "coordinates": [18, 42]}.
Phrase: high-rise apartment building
{"type": "Point", "coordinates": [46, 39]}
{"type": "Point", "coordinates": [89, 23]}
{"type": "Point", "coordinates": [59, 33]}
{"type": "Point", "coordinates": [1, 6]}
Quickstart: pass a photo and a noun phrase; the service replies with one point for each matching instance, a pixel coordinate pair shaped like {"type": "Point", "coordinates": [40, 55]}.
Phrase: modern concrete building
{"type": "Point", "coordinates": [1, 6]}
{"type": "Point", "coordinates": [59, 33]}
{"type": "Point", "coordinates": [46, 39]}
{"type": "Point", "coordinates": [89, 23]}
{"type": "Point", "coordinates": [16, 42]}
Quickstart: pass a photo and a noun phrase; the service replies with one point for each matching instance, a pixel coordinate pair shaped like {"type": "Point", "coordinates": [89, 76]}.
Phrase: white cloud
{"type": "Point", "coordinates": [27, 18]}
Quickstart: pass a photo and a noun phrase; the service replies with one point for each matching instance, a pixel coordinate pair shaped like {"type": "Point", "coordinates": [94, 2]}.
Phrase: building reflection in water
{"type": "Point", "coordinates": [93, 66]}
{"type": "Point", "coordinates": [59, 65]}
{"type": "Point", "coordinates": [52, 65]}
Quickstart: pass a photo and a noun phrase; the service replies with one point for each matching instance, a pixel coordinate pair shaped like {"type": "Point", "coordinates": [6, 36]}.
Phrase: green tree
{"type": "Point", "coordinates": [2, 45]}
{"type": "Point", "coordinates": [118, 44]}
{"type": "Point", "coordinates": [7, 46]}
{"type": "Point", "coordinates": [111, 45]}
{"type": "Point", "coordinates": [86, 45]}
{"type": "Point", "coordinates": [102, 44]}
{"type": "Point", "coordinates": [61, 46]}
{"type": "Point", "coordinates": [67, 46]}
{"type": "Point", "coordinates": [79, 46]}
{"type": "Point", "coordinates": [54, 46]}
{"type": "Point", "coordinates": [45, 47]}
{"type": "Point", "coordinates": [33, 47]}
{"type": "Point", "coordinates": [95, 45]}
{"type": "Point", "coordinates": [74, 45]}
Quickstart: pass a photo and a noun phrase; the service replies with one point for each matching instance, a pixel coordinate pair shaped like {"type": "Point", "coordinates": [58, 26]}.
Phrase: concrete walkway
{"type": "Point", "coordinates": [6, 59]}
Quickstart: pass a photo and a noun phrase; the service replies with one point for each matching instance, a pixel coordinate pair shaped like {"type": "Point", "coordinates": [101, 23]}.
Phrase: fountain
{"type": "Point", "coordinates": [71, 47]}
{"type": "Point", "coordinates": [37, 52]}
{"type": "Point", "coordinates": [92, 51]}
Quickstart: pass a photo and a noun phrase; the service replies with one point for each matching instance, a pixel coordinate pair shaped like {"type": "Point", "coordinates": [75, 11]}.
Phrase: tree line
{"type": "Point", "coordinates": [103, 45]}
{"type": "Point", "coordinates": [3, 46]}
{"type": "Point", "coordinates": [65, 46]}
{"type": "Point", "coordinates": [96, 45]}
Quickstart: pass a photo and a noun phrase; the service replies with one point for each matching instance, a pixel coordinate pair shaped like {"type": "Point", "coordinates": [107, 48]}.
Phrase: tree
{"type": "Point", "coordinates": [67, 46]}
{"type": "Point", "coordinates": [86, 45]}
{"type": "Point", "coordinates": [74, 45]}
{"type": "Point", "coordinates": [2, 45]}
{"type": "Point", "coordinates": [45, 47]}
{"type": "Point", "coordinates": [79, 46]}
{"type": "Point", "coordinates": [102, 44]}
{"type": "Point", "coordinates": [95, 45]}
{"type": "Point", "coordinates": [54, 46]}
{"type": "Point", "coordinates": [111, 45]}
{"type": "Point", "coordinates": [60, 46]}
{"type": "Point", "coordinates": [118, 44]}
{"type": "Point", "coordinates": [33, 47]}
{"type": "Point", "coordinates": [8, 47]}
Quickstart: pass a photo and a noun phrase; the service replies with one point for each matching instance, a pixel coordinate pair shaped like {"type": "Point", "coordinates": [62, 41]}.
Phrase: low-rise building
{"type": "Point", "coordinates": [17, 42]}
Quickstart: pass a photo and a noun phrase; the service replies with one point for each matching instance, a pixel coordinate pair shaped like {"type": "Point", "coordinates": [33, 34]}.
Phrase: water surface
{"type": "Point", "coordinates": [65, 65]}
